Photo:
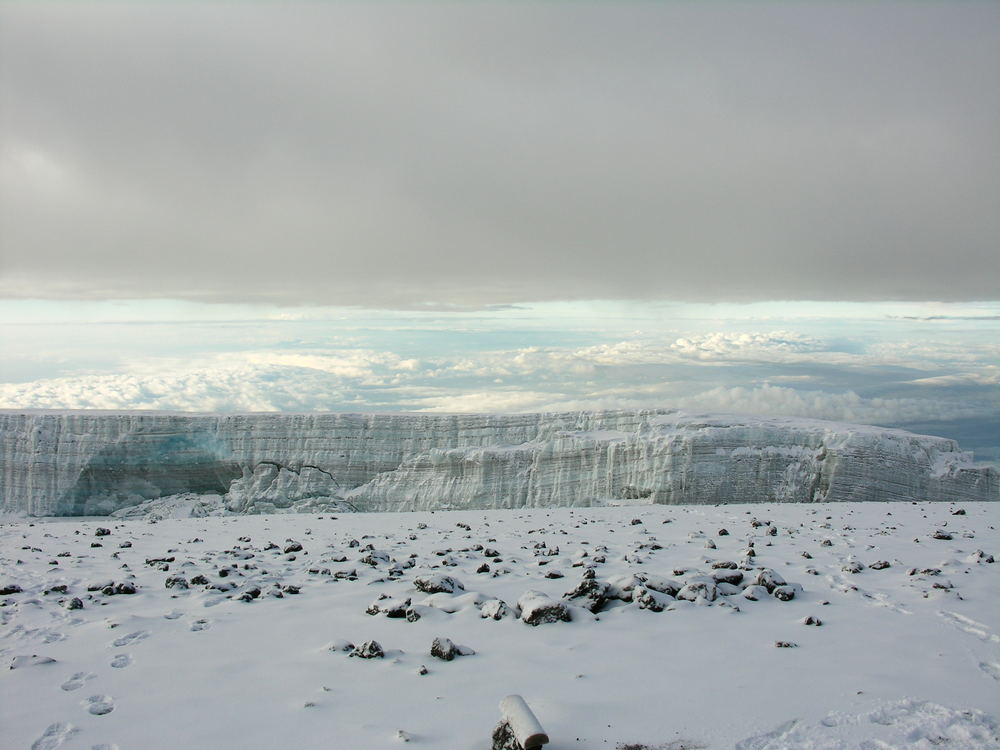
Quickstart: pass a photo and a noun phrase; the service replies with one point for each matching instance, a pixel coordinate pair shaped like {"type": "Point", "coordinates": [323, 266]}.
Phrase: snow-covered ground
{"type": "Point", "coordinates": [906, 655]}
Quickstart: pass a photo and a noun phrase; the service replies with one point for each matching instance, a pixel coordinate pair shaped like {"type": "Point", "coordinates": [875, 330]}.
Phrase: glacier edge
{"type": "Point", "coordinates": [95, 463]}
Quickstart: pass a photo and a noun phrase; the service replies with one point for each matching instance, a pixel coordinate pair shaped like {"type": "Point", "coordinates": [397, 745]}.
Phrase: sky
{"type": "Point", "coordinates": [769, 207]}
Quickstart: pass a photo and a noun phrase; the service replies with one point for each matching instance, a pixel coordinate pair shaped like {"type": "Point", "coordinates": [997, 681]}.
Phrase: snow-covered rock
{"type": "Point", "coordinates": [93, 463]}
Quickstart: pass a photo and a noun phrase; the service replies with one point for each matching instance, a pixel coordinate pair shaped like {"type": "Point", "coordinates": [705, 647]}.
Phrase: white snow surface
{"type": "Point", "coordinates": [906, 656]}
{"type": "Point", "coordinates": [93, 463]}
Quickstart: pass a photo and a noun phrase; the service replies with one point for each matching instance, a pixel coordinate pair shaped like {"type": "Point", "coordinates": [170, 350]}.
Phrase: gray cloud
{"type": "Point", "coordinates": [468, 155]}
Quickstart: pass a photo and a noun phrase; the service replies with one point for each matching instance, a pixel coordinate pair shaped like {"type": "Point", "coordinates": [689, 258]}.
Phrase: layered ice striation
{"type": "Point", "coordinates": [92, 463]}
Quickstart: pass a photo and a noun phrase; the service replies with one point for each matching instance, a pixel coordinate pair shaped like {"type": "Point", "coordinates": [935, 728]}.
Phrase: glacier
{"type": "Point", "coordinates": [61, 463]}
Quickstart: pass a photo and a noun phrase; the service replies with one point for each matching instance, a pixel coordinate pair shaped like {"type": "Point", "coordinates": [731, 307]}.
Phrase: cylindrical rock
{"type": "Point", "coordinates": [522, 722]}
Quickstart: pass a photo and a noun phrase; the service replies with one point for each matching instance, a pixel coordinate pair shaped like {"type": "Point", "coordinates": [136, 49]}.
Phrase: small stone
{"type": "Point", "coordinates": [102, 532]}
{"type": "Point", "coordinates": [810, 620]}
{"type": "Point", "coordinates": [785, 644]}
{"type": "Point", "coordinates": [939, 534]}
{"type": "Point", "coordinates": [723, 532]}
{"type": "Point", "coordinates": [880, 565]}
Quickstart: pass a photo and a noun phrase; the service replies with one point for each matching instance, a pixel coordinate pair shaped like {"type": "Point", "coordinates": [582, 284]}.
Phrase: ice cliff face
{"type": "Point", "coordinates": [83, 463]}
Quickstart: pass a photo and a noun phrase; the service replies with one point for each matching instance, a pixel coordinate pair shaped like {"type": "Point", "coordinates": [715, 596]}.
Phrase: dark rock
{"type": "Point", "coordinates": [645, 598]}
{"type": "Point", "coordinates": [434, 584]}
{"type": "Point", "coordinates": [102, 532]}
{"type": "Point", "coordinates": [179, 582]}
{"type": "Point", "coordinates": [769, 579]}
{"type": "Point", "coordinates": [74, 603]}
{"type": "Point", "coordinates": [590, 594]}
{"type": "Point", "coordinates": [292, 547]}
{"type": "Point", "coordinates": [538, 609]}
{"type": "Point", "coordinates": [939, 534]}
{"type": "Point", "coordinates": [880, 565]}
{"type": "Point", "coordinates": [484, 568]}
{"type": "Point", "coordinates": [784, 593]}
{"type": "Point", "coordinates": [443, 648]}
{"type": "Point", "coordinates": [853, 567]}
{"type": "Point", "coordinates": [11, 588]}
{"type": "Point", "coordinates": [733, 577]}
{"type": "Point", "coordinates": [724, 564]}
{"type": "Point", "coordinates": [723, 532]}
{"type": "Point", "coordinates": [199, 580]}
{"type": "Point", "coordinates": [810, 620]}
{"type": "Point", "coordinates": [368, 650]}
{"type": "Point", "coordinates": [698, 588]}
{"type": "Point", "coordinates": [785, 644]}
{"type": "Point", "coordinates": [494, 609]}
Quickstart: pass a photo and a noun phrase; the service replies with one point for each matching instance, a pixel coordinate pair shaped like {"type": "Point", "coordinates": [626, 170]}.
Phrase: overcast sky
{"type": "Point", "coordinates": [475, 154]}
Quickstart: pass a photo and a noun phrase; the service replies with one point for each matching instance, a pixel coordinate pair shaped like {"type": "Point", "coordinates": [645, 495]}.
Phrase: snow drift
{"type": "Point", "coordinates": [92, 463]}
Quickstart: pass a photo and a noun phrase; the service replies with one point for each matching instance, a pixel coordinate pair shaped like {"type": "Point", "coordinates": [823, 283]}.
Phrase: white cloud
{"type": "Point", "coordinates": [746, 345]}
{"type": "Point", "coordinates": [843, 407]}
{"type": "Point", "coordinates": [222, 389]}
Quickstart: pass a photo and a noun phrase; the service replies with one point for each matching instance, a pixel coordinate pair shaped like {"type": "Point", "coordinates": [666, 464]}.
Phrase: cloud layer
{"type": "Point", "coordinates": [391, 155]}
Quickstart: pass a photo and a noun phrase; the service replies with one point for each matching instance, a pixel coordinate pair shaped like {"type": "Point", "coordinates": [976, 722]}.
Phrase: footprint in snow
{"type": "Point", "coordinates": [54, 736]}
{"type": "Point", "coordinates": [173, 614]}
{"type": "Point", "coordinates": [99, 705]}
{"type": "Point", "coordinates": [970, 626]}
{"type": "Point", "coordinates": [76, 681]}
{"type": "Point", "coordinates": [121, 661]}
{"type": "Point", "coordinates": [131, 638]}
{"type": "Point", "coordinates": [990, 668]}
{"type": "Point", "coordinates": [200, 625]}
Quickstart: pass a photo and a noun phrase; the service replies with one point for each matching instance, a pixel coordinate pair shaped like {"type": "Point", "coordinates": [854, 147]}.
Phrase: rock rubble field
{"type": "Point", "coordinates": [750, 626]}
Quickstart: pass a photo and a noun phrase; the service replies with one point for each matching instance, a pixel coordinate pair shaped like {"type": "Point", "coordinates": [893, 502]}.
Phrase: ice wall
{"type": "Point", "coordinates": [82, 463]}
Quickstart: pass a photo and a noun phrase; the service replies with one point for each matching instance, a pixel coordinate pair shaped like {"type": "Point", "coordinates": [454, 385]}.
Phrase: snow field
{"type": "Point", "coordinates": [906, 655]}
